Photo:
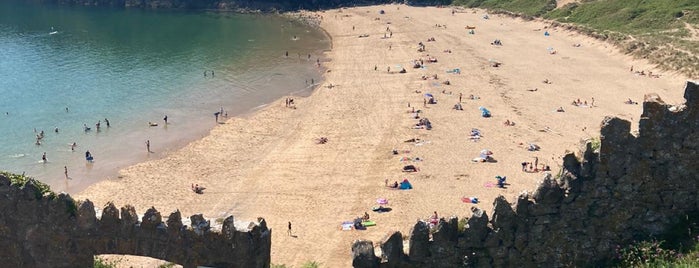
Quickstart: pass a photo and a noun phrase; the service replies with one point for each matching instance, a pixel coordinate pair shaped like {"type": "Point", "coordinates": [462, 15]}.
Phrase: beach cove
{"type": "Point", "coordinates": [270, 164]}
{"type": "Point", "coordinates": [67, 68]}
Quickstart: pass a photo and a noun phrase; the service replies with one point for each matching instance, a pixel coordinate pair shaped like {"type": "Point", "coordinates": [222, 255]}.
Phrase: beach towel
{"type": "Point", "coordinates": [347, 225]}
{"type": "Point", "coordinates": [368, 223]}
{"type": "Point", "coordinates": [471, 200]}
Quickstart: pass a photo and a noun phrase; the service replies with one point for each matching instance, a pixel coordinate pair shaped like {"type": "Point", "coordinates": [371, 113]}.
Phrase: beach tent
{"type": "Point", "coordinates": [485, 153]}
{"type": "Point", "coordinates": [405, 185]}
{"type": "Point", "coordinates": [484, 111]}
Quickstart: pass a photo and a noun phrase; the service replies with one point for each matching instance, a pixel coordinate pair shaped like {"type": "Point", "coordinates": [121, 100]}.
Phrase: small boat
{"type": "Point", "coordinates": [52, 32]}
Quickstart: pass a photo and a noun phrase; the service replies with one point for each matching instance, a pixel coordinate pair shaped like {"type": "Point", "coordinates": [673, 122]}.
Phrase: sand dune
{"type": "Point", "coordinates": [268, 165]}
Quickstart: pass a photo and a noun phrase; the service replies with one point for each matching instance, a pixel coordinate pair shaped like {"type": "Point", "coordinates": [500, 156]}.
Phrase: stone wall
{"type": "Point", "coordinates": [56, 231]}
{"type": "Point", "coordinates": [632, 188]}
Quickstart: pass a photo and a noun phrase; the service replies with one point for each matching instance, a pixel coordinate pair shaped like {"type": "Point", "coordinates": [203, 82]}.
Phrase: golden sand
{"type": "Point", "coordinates": [268, 164]}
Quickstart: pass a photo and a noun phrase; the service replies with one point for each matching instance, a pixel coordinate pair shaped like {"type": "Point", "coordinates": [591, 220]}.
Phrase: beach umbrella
{"type": "Point", "coordinates": [382, 201]}
{"type": "Point", "coordinates": [429, 95]}
{"type": "Point", "coordinates": [486, 152]}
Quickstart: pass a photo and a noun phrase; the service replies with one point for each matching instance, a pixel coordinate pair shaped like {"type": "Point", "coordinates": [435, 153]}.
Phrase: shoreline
{"type": "Point", "coordinates": [267, 164]}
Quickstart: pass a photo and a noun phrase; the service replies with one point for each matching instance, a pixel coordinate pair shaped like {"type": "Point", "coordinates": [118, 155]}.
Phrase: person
{"type": "Point", "coordinates": [216, 115]}
{"type": "Point", "coordinates": [65, 171]}
{"type": "Point", "coordinates": [395, 184]}
{"type": "Point", "coordinates": [460, 94]}
{"type": "Point", "coordinates": [148, 145]}
{"type": "Point", "coordinates": [88, 156]}
{"type": "Point", "coordinates": [107, 121]}
{"type": "Point", "coordinates": [97, 125]}
{"type": "Point", "coordinates": [86, 128]}
{"type": "Point", "coordinates": [536, 163]}
{"type": "Point", "coordinates": [165, 119]}
{"type": "Point", "coordinates": [55, 130]}
{"type": "Point", "coordinates": [524, 166]}
{"type": "Point", "coordinates": [366, 216]}
{"type": "Point", "coordinates": [43, 157]}
{"type": "Point", "coordinates": [289, 230]}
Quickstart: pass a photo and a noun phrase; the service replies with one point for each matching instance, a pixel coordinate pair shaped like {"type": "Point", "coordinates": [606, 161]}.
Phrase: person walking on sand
{"type": "Point", "coordinates": [289, 230]}
{"type": "Point", "coordinates": [148, 145]}
{"type": "Point", "coordinates": [460, 97]}
{"type": "Point", "coordinates": [65, 171]}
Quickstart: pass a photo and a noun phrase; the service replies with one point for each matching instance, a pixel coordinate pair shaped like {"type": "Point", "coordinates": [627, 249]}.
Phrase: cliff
{"type": "Point", "coordinates": [632, 188]}
{"type": "Point", "coordinates": [56, 231]}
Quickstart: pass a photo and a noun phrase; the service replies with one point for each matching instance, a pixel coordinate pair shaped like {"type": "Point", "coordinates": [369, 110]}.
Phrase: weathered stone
{"type": "Point", "coordinates": [86, 218]}
{"type": "Point", "coordinates": [419, 242]}
{"type": "Point", "coordinates": [129, 218]}
{"type": "Point", "coordinates": [57, 231]}
{"type": "Point", "coordinates": [363, 255]}
{"type": "Point", "coordinates": [392, 250]}
{"type": "Point", "coordinates": [636, 187]}
{"type": "Point", "coordinates": [174, 222]}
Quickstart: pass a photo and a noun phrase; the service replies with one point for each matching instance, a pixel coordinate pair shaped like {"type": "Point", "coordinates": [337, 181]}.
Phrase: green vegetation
{"type": "Point", "coordinates": [308, 264]}
{"type": "Point", "coordinates": [21, 181]}
{"type": "Point", "coordinates": [663, 31]}
{"type": "Point", "coordinates": [167, 265]}
{"type": "Point", "coordinates": [679, 247]}
{"type": "Point", "coordinates": [526, 7]}
{"type": "Point", "coordinates": [102, 263]}
{"type": "Point", "coordinates": [654, 254]}
{"type": "Point", "coordinates": [595, 143]}
{"type": "Point", "coordinates": [311, 264]}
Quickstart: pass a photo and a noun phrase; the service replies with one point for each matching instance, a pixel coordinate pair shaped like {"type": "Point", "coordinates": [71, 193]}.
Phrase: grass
{"type": "Point", "coordinates": [656, 30]}
{"type": "Point", "coordinates": [527, 7]}
{"type": "Point", "coordinates": [308, 264]}
{"type": "Point", "coordinates": [102, 263]}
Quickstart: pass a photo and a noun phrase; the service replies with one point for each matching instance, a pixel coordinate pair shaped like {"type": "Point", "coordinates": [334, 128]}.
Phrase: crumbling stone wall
{"type": "Point", "coordinates": [634, 187]}
{"type": "Point", "coordinates": [43, 231]}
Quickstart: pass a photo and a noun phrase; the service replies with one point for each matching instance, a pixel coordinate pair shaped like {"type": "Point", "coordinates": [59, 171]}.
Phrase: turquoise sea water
{"type": "Point", "coordinates": [65, 67]}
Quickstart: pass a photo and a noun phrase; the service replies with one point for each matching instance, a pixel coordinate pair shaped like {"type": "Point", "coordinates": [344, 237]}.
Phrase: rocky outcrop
{"type": "Point", "coordinates": [632, 188]}
{"type": "Point", "coordinates": [56, 231]}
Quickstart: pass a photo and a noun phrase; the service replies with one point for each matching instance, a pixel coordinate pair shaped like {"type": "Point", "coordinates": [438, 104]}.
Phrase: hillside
{"type": "Point", "coordinates": [664, 31]}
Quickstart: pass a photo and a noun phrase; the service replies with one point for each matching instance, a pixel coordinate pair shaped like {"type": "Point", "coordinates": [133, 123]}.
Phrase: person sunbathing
{"type": "Point", "coordinates": [198, 189]}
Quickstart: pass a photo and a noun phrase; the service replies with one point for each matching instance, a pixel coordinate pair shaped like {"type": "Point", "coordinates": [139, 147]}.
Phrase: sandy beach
{"type": "Point", "coordinates": [269, 165]}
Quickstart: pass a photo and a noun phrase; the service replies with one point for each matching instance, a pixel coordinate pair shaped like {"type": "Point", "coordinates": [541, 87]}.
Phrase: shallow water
{"type": "Point", "coordinates": [64, 68]}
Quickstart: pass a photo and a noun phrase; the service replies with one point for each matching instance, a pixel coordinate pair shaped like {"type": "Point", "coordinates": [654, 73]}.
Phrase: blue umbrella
{"type": "Point", "coordinates": [429, 95]}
